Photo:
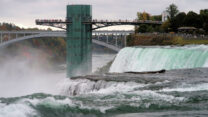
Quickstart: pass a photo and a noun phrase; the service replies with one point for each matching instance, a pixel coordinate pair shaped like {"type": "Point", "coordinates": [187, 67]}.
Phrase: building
{"type": "Point", "coordinates": [187, 29]}
{"type": "Point", "coordinates": [165, 15]}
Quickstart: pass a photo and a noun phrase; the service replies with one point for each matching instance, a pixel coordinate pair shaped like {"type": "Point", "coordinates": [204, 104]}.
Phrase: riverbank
{"type": "Point", "coordinates": [151, 39]}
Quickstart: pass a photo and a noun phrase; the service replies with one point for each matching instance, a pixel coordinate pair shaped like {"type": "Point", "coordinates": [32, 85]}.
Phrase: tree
{"type": "Point", "coordinates": [143, 16]}
{"type": "Point", "coordinates": [177, 21]}
{"type": "Point", "coordinates": [193, 19]}
{"type": "Point", "coordinates": [204, 16]}
{"type": "Point", "coordinates": [165, 26]}
{"type": "Point", "coordinates": [8, 27]}
{"type": "Point", "coordinates": [145, 28]}
{"type": "Point", "coordinates": [172, 11]}
{"type": "Point", "coordinates": [156, 18]}
{"type": "Point", "coordinates": [142, 28]}
{"type": "Point", "coordinates": [204, 11]}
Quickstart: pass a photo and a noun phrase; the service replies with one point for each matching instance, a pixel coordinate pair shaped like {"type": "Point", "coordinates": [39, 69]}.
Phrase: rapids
{"type": "Point", "coordinates": [182, 91]}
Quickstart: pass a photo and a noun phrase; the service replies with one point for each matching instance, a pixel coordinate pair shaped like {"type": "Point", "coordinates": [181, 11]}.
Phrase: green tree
{"type": "Point", "coordinates": [172, 11]}
{"type": "Point", "coordinates": [143, 16]}
{"type": "Point", "coordinates": [156, 17]}
{"type": "Point", "coordinates": [193, 19]}
{"type": "Point", "coordinates": [165, 26]}
{"type": "Point", "coordinates": [205, 27]}
{"type": "Point", "coordinates": [204, 16]}
{"type": "Point", "coordinates": [145, 28]}
{"type": "Point", "coordinates": [204, 11]}
{"type": "Point", "coordinates": [8, 27]}
{"type": "Point", "coordinates": [177, 21]}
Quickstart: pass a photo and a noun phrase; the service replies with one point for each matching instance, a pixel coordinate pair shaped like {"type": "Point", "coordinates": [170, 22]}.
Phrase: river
{"type": "Point", "coordinates": [26, 90]}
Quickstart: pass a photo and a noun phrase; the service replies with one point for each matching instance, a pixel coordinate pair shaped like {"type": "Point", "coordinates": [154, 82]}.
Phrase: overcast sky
{"type": "Point", "coordinates": [24, 12]}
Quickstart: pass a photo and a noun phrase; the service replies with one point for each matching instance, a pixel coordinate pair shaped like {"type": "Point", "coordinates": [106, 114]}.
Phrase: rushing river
{"type": "Point", "coordinates": [182, 91]}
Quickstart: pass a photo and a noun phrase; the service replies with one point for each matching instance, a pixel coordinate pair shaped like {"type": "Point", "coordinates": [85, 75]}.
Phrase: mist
{"type": "Point", "coordinates": [27, 73]}
{"type": "Point", "coordinates": [24, 73]}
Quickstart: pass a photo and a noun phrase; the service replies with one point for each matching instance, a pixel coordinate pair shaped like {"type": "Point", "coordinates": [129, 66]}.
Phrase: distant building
{"type": "Point", "coordinates": [165, 15]}
{"type": "Point", "coordinates": [187, 29]}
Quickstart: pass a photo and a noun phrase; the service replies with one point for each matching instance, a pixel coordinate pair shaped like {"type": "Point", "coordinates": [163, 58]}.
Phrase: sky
{"type": "Point", "coordinates": [24, 12]}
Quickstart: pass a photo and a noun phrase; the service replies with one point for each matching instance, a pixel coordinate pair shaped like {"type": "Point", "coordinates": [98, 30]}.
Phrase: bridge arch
{"type": "Point", "coordinates": [30, 37]}
{"type": "Point", "coordinates": [53, 34]}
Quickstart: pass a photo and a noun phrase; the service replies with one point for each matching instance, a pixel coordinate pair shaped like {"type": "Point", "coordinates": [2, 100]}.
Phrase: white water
{"type": "Point", "coordinates": [188, 88]}
{"type": "Point", "coordinates": [157, 58]}
{"type": "Point", "coordinates": [18, 78]}
{"type": "Point", "coordinates": [77, 87]}
{"type": "Point", "coordinates": [95, 93]}
{"type": "Point", "coordinates": [16, 110]}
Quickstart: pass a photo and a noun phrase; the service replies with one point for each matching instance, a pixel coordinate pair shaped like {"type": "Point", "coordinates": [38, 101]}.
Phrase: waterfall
{"type": "Point", "coordinates": [141, 59]}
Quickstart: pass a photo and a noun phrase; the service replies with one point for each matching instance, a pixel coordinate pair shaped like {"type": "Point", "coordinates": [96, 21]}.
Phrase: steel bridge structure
{"type": "Point", "coordinates": [96, 24]}
{"type": "Point", "coordinates": [79, 27]}
{"type": "Point", "coordinates": [114, 40]}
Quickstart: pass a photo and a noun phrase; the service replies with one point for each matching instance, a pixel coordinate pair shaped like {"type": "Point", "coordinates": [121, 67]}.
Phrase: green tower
{"type": "Point", "coordinates": [79, 40]}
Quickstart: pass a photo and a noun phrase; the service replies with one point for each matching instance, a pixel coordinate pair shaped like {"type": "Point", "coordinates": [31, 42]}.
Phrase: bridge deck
{"type": "Point", "coordinates": [39, 21]}
{"type": "Point", "coordinates": [105, 23]}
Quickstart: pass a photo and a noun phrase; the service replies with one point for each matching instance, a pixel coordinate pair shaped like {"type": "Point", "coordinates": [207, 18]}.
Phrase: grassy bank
{"type": "Point", "coordinates": [163, 39]}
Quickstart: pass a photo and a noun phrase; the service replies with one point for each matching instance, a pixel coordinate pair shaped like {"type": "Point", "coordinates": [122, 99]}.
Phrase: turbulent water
{"type": "Point", "coordinates": [28, 92]}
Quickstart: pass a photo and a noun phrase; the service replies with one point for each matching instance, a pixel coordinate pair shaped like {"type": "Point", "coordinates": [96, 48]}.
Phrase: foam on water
{"type": "Point", "coordinates": [16, 110]}
{"type": "Point", "coordinates": [83, 86]}
{"type": "Point", "coordinates": [188, 88]}
{"type": "Point", "coordinates": [120, 92]}
{"type": "Point", "coordinates": [98, 97]}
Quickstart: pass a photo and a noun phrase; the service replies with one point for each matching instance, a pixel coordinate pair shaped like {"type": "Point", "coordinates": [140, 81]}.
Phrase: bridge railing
{"type": "Point", "coordinates": [115, 40]}
{"type": "Point", "coordinates": [126, 21]}
{"type": "Point", "coordinates": [58, 23]}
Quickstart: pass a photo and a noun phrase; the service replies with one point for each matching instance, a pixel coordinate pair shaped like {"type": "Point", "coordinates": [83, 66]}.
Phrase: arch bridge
{"type": "Point", "coordinates": [79, 26]}
{"type": "Point", "coordinates": [114, 40]}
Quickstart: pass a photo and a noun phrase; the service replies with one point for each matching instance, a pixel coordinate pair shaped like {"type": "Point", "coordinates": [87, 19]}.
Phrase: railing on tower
{"type": "Point", "coordinates": [58, 23]}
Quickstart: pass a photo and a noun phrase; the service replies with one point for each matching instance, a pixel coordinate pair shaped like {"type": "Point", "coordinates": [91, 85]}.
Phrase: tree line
{"type": "Point", "coordinates": [176, 19]}
{"type": "Point", "coordinates": [8, 27]}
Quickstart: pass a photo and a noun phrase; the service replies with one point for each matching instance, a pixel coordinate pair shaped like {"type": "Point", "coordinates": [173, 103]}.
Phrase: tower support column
{"type": "Point", "coordinates": [79, 40]}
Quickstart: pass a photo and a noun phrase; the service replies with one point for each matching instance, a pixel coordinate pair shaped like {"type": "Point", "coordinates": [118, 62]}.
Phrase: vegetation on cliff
{"type": "Point", "coordinates": [175, 20]}
{"type": "Point", "coordinates": [167, 33]}
{"type": "Point", "coordinates": [164, 39]}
